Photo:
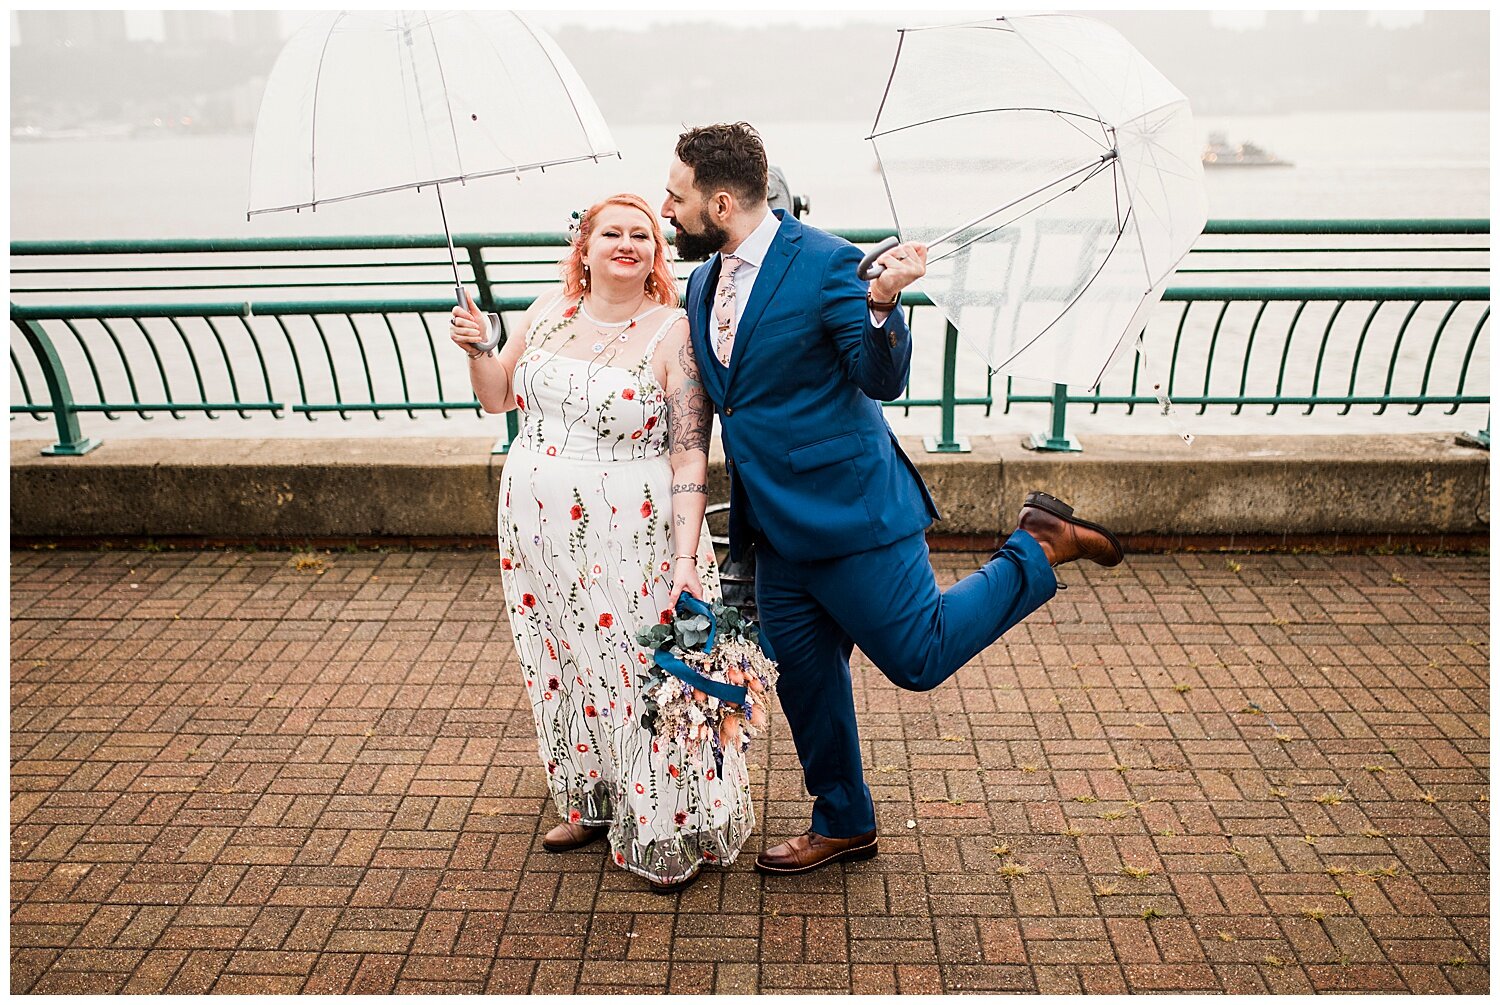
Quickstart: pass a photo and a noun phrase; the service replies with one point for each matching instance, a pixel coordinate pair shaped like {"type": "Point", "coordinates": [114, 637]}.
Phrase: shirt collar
{"type": "Point", "coordinates": [752, 250]}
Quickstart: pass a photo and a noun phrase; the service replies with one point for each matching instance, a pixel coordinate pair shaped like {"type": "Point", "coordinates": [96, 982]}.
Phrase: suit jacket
{"type": "Point", "coordinates": [811, 459]}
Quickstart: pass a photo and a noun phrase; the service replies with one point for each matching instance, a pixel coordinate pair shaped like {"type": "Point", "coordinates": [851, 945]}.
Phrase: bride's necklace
{"type": "Point", "coordinates": [625, 326]}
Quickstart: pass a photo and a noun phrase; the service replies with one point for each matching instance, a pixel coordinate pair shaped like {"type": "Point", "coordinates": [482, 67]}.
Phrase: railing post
{"type": "Point", "coordinates": [70, 439]}
{"type": "Point", "coordinates": [1058, 438]}
{"type": "Point", "coordinates": [1479, 438]}
{"type": "Point", "coordinates": [948, 444]}
{"type": "Point", "coordinates": [486, 302]}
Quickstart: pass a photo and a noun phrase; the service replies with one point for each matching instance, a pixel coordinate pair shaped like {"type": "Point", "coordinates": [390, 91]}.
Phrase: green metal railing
{"type": "Point", "coordinates": [320, 345]}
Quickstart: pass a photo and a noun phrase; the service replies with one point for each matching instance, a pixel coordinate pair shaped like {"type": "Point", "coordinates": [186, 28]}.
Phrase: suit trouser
{"type": "Point", "coordinates": [887, 602]}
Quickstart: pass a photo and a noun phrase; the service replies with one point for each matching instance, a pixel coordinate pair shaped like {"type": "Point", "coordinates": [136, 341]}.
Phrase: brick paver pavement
{"type": "Point", "coordinates": [1193, 773]}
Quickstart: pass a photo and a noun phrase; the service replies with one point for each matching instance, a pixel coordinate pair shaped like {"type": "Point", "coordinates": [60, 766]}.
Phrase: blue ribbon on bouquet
{"type": "Point", "coordinates": [671, 664]}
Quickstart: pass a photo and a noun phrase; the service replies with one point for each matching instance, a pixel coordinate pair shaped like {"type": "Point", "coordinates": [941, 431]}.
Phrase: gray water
{"type": "Point", "coordinates": [1354, 165]}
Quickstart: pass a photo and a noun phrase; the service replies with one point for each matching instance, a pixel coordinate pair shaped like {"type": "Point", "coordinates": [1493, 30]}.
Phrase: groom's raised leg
{"type": "Point", "coordinates": [815, 695]}
{"type": "Point", "coordinates": [919, 636]}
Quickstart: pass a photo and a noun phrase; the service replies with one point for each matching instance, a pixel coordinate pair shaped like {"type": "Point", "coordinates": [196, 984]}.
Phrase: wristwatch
{"type": "Point", "coordinates": [882, 305]}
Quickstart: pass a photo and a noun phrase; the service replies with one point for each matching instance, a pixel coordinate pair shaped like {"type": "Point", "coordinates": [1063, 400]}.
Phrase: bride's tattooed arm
{"type": "Point", "coordinates": [690, 417]}
{"type": "Point", "coordinates": [689, 412]}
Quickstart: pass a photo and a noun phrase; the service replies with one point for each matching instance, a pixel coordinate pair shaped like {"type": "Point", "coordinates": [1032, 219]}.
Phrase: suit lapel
{"type": "Point", "coordinates": [701, 305]}
{"type": "Point", "coordinates": [772, 271]}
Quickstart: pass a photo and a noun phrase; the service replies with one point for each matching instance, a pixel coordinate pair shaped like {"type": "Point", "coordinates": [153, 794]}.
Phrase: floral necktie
{"type": "Point", "coordinates": [724, 308]}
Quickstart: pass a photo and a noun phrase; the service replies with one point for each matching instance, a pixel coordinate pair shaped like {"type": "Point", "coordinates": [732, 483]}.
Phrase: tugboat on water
{"type": "Point", "coordinates": [1219, 153]}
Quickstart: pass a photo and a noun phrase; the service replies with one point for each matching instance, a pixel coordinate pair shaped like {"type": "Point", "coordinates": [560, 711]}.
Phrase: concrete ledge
{"type": "Point", "coordinates": [1150, 488]}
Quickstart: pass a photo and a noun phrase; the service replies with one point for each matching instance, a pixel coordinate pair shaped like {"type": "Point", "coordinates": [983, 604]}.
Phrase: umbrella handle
{"type": "Point", "coordinates": [867, 267]}
{"type": "Point", "coordinates": [489, 344]}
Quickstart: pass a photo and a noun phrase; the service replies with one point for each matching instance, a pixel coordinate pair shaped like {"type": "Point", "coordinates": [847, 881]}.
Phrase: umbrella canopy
{"type": "Point", "coordinates": [360, 103]}
{"type": "Point", "coordinates": [1056, 174]}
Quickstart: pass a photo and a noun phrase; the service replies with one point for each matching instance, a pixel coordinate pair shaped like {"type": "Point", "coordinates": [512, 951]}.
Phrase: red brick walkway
{"type": "Point", "coordinates": [1194, 773]}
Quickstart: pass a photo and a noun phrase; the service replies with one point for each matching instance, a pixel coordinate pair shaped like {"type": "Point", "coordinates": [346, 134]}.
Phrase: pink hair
{"type": "Point", "coordinates": [660, 284]}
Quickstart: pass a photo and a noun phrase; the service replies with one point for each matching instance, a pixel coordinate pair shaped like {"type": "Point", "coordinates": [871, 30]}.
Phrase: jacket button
{"type": "Point", "coordinates": [728, 411]}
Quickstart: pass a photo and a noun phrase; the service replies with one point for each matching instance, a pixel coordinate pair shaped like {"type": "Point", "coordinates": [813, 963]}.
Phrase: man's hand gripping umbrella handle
{"type": "Point", "coordinates": [868, 269]}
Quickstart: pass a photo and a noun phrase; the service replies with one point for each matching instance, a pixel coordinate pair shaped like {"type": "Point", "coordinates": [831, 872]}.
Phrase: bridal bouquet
{"type": "Point", "coordinates": [710, 683]}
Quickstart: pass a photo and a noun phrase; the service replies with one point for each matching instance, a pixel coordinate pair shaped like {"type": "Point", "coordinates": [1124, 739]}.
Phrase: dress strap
{"type": "Point", "coordinates": [542, 317]}
{"type": "Point", "coordinates": [673, 316]}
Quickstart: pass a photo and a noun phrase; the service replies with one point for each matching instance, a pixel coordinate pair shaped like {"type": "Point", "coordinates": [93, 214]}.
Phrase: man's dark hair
{"type": "Point", "coordinates": [729, 155]}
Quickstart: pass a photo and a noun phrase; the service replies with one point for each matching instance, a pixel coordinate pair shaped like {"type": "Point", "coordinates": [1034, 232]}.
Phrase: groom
{"type": "Point", "coordinates": [795, 351]}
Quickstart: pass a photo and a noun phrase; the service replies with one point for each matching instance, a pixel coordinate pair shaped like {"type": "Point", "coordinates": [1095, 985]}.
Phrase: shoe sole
{"type": "Point", "coordinates": [667, 889]}
{"type": "Point", "coordinates": [1064, 512]}
{"type": "Point", "coordinates": [851, 854]}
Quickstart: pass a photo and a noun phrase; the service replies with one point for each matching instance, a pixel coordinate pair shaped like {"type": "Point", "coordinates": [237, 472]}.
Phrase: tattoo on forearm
{"type": "Point", "coordinates": [689, 487]}
{"type": "Point", "coordinates": [681, 520]}
{"type": "Point", "coordinates": [690, 415]}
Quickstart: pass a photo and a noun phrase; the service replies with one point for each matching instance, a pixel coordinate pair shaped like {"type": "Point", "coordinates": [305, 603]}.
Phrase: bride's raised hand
{"type": "Point", "coordinates": [468, 326]}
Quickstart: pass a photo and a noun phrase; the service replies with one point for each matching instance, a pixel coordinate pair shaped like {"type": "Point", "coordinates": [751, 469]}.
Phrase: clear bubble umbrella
{"type": "Point", "coordinates": [1056, 176]}
{"type": "Point", "coordinates": [363, 103]}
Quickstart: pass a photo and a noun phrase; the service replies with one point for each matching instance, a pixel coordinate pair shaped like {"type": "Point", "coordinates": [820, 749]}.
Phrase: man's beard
{"type": "Point", "coordinates": [698, 247]}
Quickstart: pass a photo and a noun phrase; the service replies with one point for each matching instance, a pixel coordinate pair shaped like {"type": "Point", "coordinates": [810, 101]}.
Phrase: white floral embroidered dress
{"type": "Point", "coordinates": [586, 561]}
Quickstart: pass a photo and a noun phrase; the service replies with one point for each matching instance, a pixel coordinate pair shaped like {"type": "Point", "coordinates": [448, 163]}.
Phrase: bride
{"type": "Point", "coordinates": [601, 528]}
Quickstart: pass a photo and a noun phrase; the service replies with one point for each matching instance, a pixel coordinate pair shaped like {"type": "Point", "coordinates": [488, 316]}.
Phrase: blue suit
{"type": "Point", "coordinates": [835, 508]}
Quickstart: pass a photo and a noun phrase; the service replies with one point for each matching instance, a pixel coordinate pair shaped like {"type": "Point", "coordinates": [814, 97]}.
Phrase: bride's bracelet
{"type": "Point", "coordinates": [692, 558]}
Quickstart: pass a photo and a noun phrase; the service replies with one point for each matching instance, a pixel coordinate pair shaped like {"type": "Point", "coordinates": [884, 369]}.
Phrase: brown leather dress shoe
{"type": "Point", "coordinates": [566, 836]}
{"type": "Point", "coordinates": [810, 851]}
{"type": "Point", "coordinates": [1064, 537]}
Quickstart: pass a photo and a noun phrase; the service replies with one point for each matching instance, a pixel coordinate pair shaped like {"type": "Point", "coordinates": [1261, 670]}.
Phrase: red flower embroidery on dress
{"type": "Point", "coordinates": [506, 563]}
{"type": "Point", "coordinates": [619, 858]}
{"type": "Point", "coordinates": [679, 818]}
{"type": "Point", "coordinates": [576, 512]}
{"type": "Point", "coordinates": [591, 711]}
{"type": "Point", "coordinates": [643, 819]}
{"type": "Point", "coordinates": [575, 816]}
{"type": "Point", "coordinates": [520, 401]}
{"type": "Point", "coordinates": [640, 789]}
{"type": "Point", "coordinates": [551, 452]}
{"type": "Point", "coordinates": [646, 509]}
{"type": "Point", "coordinates": [650, 421]}
{"type": "Point", "coordinates": [528, 600]}
{"type": "Point", "coordinates": [710, 775]}
{"type": "Point", "coordinates": [570, 311]}
{"type": "Point", "coordinates": [606, 619]}
{"type": "Point", "coordinates": [628, 394]}
{"type": "Point", "coordinates": [666, 617]}
{"type": "Point", "coordinates": [637, 434]}
{"type": "Point", "coordinates": [673, 770]}
{"type": "Point", "coordinates": [583, 748]}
